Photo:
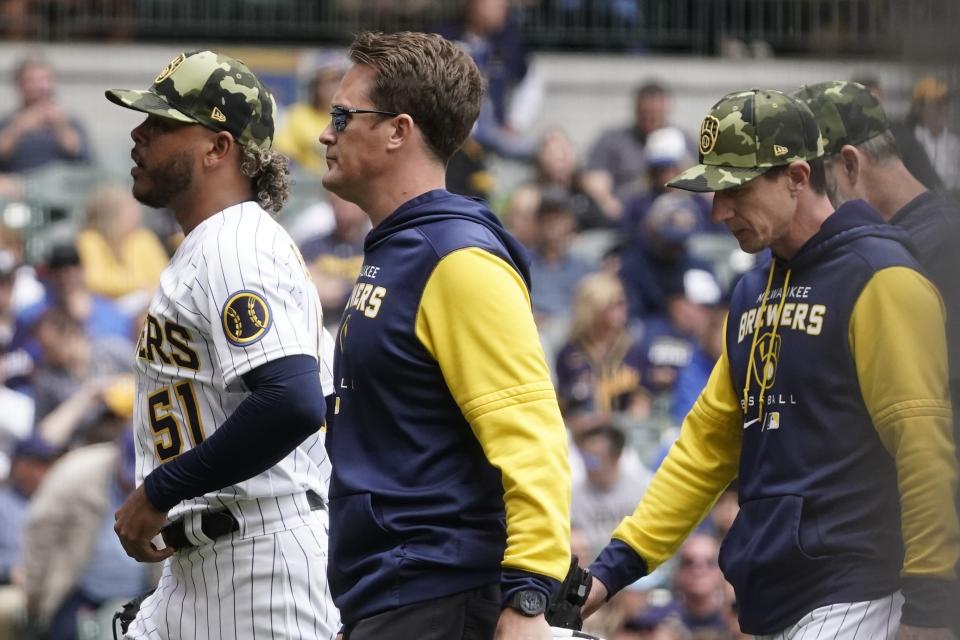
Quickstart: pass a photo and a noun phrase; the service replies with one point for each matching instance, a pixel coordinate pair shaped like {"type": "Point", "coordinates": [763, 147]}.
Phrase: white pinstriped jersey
{"type": "Point", "coordinates": [235, 296]}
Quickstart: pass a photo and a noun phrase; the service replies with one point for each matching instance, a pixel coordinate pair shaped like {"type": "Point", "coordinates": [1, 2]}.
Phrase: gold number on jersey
{"type": "Point", "coordinates": [167, 437]}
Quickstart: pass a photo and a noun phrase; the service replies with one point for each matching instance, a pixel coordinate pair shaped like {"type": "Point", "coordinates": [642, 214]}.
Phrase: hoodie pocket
{"type": "Point", "coordinates": [356, 531]}
{"type": "Point", "coordinates": [763, 548]}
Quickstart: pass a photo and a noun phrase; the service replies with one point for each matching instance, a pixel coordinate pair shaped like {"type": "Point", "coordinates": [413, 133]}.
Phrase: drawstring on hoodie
{"type": "Point", "coordinates": [773, 340]}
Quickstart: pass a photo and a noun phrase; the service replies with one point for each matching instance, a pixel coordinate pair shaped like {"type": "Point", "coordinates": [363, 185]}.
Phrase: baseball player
{"type": "Point", "coordinates": [829, 401]}
{"type": "Point", "coordinates": [232, 369]}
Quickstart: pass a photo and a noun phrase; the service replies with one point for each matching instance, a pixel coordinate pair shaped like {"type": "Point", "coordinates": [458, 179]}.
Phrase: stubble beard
{"type": "Point", "coordinates": [168, 181]}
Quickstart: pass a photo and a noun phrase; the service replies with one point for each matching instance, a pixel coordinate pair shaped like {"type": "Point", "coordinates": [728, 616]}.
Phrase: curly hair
{"type": "Point", "coordinates": [269, 174]}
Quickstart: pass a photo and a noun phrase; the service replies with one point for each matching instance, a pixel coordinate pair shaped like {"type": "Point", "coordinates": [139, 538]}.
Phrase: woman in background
{"type": "Point", "coordinates": [121, 258]}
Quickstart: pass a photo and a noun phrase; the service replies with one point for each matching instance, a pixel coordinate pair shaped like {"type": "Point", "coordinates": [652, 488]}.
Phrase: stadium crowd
{"type": "Point", "coordinates": [630, 282]}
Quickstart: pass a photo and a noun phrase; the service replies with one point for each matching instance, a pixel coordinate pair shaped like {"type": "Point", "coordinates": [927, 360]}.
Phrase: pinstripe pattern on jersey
{"type": "Point", "coordinates": [869, 620]}
{"type": "Point", "coordinates": [241, 248]}
{"type": "Point", "coordinates": [268, 579]}
{"type": "Point", "coordinates": [271, 586]}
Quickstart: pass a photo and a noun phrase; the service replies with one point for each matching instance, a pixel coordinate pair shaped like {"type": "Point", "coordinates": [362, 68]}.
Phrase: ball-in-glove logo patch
{"type": "Point", "coordinates": [709, 129]}
{"type": "Point", "coordinates": [170, 68]}
{"type": "Point", "coordinates": [246, 318]}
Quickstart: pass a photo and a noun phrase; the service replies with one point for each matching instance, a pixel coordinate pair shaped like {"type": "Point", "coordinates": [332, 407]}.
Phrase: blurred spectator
{"type": "Point", "coordinates": [618, 12]}
{"type": "Point", "coordinates": [520, 220]}
{"type": "Point", "coordinates": [40, 131]}
{"type": "Point", "coordinates": [557, 172]}
{"type": "Point", "coordinates": [929, 113]}
{"type": "Point", "coordinates": [66, 289]}
{"type": "Point", "coordinates": [313, 221]}
{"type": "Point", "coordinates": [724, 512]}
{"type": "Point", "coordinates": [72, 375]}
{"type": "Point", "coordinates": [617, 162]}
{"type": "Point", "coordinates": [73, 559]}
{"type": "Point", "coordinates": [609, 491]}
{"type": "Point", "coordinates": [692, 378]}
{"type": "Point", "coordinates": [658, 622]}
{"type": "Point", "coordinates": [579, 544]}
{"type": "Point", "coordinates": [32, 456]}
{"type": "Point", "coordinates": [31, 460]}
{"type": "Point", "coordinates": [667, 155]}
{"type": "Point", "coordinates": [661, 257]}
{"type": "Point", "coordinates": [699, 587]}
{"type": "Point", "coordinates": [598, 370]}
{"type": "Point", "coordinates": [468, 173]}
{"type": "Point", "coordinates": [15, 364]}
{"type": "Point", "coordinates": [669, 338]}
{"type": "Point", "coordinates": [913, 154]}
{"type": "Point", "coordinates": [96, 412]}
{"type": "Point", "coordinates": [553, 270]}
{"type": "Point", "coordinates": [334, 259]}
{"type": "Point", "coordinates": [27, 290]}
{"type": "Point", "coordinates": [514, 92]}
{"type": "Point", "coordinates": [120, 258]}
{"type": "Point", "coordinates": [11, 187]}
{"type": "Point", "coordinates": [298, 136]}
{"type": "Point", "coordinates": [14, 20]}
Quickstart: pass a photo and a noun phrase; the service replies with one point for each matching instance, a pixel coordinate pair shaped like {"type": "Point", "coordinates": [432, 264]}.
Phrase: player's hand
{"type": "Point", "coordinates": [907, 632]}
{"type": "Point", "coordinates": [137, 522]}
{"type": "Point", "coordinates": [595, 599]}
{"type": "Point", "coordinates": [513, 625]}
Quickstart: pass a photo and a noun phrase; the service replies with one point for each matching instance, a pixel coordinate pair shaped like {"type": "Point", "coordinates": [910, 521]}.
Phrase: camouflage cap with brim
{"type": "Point", "coordinates": [846, 112]}
{"type": "Point", "coordinates": [746, 134]}
{"type": "Point", "coordinates": [211, 89]}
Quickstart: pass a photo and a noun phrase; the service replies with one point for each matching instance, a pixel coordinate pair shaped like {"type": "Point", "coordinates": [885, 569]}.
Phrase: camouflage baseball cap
{"type": "Point", "coordinates": [211, 89]}
{"type": "Point", "coordinates": [746, 134]}
{"type": "Point", "coordinates": [846, 111]}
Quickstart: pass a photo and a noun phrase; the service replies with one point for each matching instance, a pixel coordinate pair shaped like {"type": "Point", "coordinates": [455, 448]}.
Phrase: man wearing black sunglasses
{"type": "Point", "coordinates": [340, 115]}
{"type": "Point", "coordinates": [450, 492]}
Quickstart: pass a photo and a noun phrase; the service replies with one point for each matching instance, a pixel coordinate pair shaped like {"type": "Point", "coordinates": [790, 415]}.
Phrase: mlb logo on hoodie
{"type": "Point", "coordinates": [773, 421]}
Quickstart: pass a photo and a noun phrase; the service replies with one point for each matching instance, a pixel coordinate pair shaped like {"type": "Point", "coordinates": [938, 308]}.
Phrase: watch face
{"type": "Point", "coordinates": [532, 603]}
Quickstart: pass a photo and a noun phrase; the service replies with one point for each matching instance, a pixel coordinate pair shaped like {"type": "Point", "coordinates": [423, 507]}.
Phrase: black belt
{"type": "Point", "coordinates": [216, 524]}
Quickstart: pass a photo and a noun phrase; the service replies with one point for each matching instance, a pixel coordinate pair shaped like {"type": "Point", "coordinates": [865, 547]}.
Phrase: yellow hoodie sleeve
{"type": "Point", "coordinates": [475, 319]}
{"type": "Point", "coordinates": [699, 466]}
{"type": "Point", "coordinates": [898, 342]}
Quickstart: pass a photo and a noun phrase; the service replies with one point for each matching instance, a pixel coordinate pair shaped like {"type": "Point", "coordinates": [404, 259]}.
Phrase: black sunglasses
{"type": "Point", "coordinates": [341, 115]}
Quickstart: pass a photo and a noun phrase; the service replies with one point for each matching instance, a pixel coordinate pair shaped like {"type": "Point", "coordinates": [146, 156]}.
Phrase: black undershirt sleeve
{"type": "Point", "coordinates": [286, 405]}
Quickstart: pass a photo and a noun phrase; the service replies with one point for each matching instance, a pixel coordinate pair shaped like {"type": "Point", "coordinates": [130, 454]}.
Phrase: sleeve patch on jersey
{"type": "Point", "coordinates": [246, 318]}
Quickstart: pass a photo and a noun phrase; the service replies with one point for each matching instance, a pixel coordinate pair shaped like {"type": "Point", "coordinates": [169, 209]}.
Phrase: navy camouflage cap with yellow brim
{"type": "Point", "coordinates": [846, 111]}
{"type": "Point", "coordinates": [746, 134]}
{"type": "Point", "coordinates": [211, 89]}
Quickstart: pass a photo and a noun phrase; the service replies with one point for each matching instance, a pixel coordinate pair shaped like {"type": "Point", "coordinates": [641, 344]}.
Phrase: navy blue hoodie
{"type": "Point", "coordinates": [417, 510]}
{"type": "Point", "coordinates": [820, 504]}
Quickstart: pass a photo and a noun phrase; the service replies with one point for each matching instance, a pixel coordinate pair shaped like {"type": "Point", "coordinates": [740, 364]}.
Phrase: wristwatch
{"type": "Point", "coordinates": [528, 602]}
